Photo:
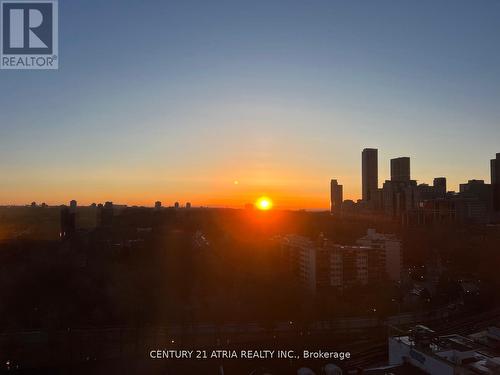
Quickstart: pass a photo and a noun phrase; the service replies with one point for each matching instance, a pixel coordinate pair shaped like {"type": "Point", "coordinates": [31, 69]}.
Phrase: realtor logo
{"type": "Point", "coordinates": [29, 37]}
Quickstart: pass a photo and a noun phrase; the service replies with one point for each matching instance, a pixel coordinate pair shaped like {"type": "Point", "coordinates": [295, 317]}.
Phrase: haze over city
{"type": "Point", "coordinates": [219, 103]}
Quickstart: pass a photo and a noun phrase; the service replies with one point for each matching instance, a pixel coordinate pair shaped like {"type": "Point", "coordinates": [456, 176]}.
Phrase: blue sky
{"type": "Point", "coordinates": [175, 100]}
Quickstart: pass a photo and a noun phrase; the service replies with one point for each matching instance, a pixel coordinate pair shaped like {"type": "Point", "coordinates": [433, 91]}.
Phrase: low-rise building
{"type": "Point", "coordinates": [325, 264]}
{"type": "Point", "coordinates": [443, 355]}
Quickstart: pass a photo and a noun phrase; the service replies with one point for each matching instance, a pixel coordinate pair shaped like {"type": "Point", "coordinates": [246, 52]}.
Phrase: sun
{"type": "Point", "coordinates": [264, 203]}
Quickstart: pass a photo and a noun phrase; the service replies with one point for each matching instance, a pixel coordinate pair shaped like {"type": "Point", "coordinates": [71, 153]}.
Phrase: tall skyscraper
{"type": "Point", "coordinates": [495, 182]}
{"type": "Point", "coordinates": [400, 169]}
{"type": "Point", "coordinates": [336, 196]}
{"type": "Point", "coordinates": [369, 173]}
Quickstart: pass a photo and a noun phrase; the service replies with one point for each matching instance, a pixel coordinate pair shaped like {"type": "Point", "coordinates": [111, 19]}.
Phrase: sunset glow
{"type": "Point", "coordinates": [264, 203]}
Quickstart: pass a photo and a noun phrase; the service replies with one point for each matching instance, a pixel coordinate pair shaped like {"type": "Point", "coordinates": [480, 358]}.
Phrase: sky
{"type": "Point", "coordinates": [177, 100]}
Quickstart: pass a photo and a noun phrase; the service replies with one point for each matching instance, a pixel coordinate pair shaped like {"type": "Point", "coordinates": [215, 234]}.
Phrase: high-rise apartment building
{"type": "Point", "coordinates": [495, 182]}
{"type": "Point", "coordinates": [400, 169]}
{"type": "Point", "coordinates": [369, 173]}
{"type": "Point", "coordinates": [336, 196]}
{"type": "Point", "coordinates": [439, 185]}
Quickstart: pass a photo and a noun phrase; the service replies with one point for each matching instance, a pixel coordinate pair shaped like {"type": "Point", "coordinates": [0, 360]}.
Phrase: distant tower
{"type": "Point", "coordinates": [188, 205]}
{"type": "Point", "coordinates": [157, 205]}
{"type": "Point", "coordinates": [400, 169]}
{"type": "Point", "coordinates": [495, 182]}
{"type": "Point", "coordinates": [72, 205]}
{"type": "Point", "coordinates": [440, 185]}
{"type": "Point", "coordinates": [336, 196]}
{"type": "Point", "coordinates": [369, 173]}
{"type": "Point", "coordinates": [176, 204]}
{"type": "Point", "coordinates": [33, 204]}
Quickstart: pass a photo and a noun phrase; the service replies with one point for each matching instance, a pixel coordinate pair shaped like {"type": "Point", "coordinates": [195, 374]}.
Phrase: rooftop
{"type": "Point", "coordinates": [457, 350]}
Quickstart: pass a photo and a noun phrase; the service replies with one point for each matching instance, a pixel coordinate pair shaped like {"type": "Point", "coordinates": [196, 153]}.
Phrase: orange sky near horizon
{"type": "Point", "coordinates": [233, 198]}
{"type": "Point", "coordinates": [291, 182]}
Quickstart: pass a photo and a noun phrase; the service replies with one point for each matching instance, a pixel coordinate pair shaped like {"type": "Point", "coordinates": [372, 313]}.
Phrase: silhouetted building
{"type": "Point", "coordinates": [400, 169]}
{"type": "Point", "coordinates": [33, 204]}
{"type": "Point", "coordinates": [369, 173]}
{"type": "Point", "coordinates": [436, 191]}
{"type": "Point", "coordinates": [426, 192]}
{"type": "Point", "coordinates": [399, 196]}
{"type": "Point", "coordinates": [439, 185]}
{"type": "Point", "coordinates": [73, 205]}
{"type": "Point", "coordinates": [348, 205]}
{"type": "Point", "coordinates": [495, 182]}
{"type": "Point", "coordinates": [68, 223]}
{"type": "Point", "coordinates": [376, 200]}
{"type": "Point", "coordinates": [105, 215]}
{"type": "Point", "coordinates": [157, 205]}
{"type": "Point", "coordinates": [188, 205]}
{"type": "Point", "coordinates": [176, 205]}
{"type": "Point", "coordinates": [433, 211]}
{"type": "Point", "coordinates": [476, 189]}
{"type": "Point", "coordinates": [336, 196]}
{"type": "Point", "coordinates": [474, 201]}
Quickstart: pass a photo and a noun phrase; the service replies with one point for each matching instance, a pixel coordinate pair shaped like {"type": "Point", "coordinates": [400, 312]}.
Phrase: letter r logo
{"type": "Point", "coordinates": [27, 27]}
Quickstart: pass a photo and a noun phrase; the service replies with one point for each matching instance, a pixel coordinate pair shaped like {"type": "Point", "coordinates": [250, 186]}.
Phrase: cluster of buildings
{"type": "Point", "coordinates": [422, 350]}
{"type": "Point", "coordinates": [104, 214]}
{"type": "Point", "coordinates": [403, 198]}
{"type": "Point", "coordinates": [325, 265]}
{"type": "Point", "coordinates": [177, 205]}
